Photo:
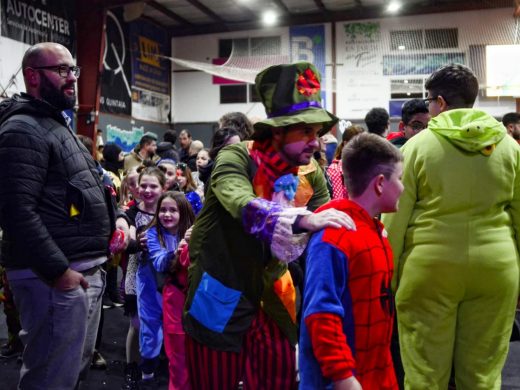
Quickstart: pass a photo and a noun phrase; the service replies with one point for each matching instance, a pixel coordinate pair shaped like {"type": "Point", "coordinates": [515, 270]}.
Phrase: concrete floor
{"type": "Point", "coordinates": [511, 372]}
{"type": "Point", "coordinates": [113, 349]}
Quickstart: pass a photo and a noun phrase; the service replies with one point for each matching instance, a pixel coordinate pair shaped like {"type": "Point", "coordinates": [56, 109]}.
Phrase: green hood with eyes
{"type": "Point", "coordinates": [469, 129]}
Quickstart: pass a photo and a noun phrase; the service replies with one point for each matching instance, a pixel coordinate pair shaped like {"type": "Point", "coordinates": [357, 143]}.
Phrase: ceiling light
{"type": "Point", "coordinates": [269, 18]}
{"type": "Point", "coordinates": [401, 47]}
{"type": "Point", "coordinates": [394, 6]}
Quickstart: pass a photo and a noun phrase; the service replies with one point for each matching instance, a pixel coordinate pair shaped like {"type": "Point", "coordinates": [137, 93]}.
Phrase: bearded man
{"type": "Point", "coordinates": [54, 213]}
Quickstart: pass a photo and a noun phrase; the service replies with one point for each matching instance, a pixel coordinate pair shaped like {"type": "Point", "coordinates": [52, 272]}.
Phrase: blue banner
{"type": "Point", "coordinates": [395, 108]}
{"type": "Point", "coordinates": [308, 44]}
{"type": "Point", "coordinates": [150, 71]}
{"type": "Point", "coordinates": [418, 64]}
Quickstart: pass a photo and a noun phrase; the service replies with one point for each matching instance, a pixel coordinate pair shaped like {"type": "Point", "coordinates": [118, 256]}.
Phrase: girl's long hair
{"type": "Point", "coordinates": [348, 134]}
{"type": "Point", "coordinates": [186, 216]}
{"type": "Point", "coordinates": [125, 190]}
{"type": "Point", "coordinates": [190, 183]}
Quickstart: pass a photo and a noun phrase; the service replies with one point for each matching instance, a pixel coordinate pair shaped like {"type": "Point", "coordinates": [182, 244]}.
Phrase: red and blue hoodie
{"type": "Point", "coordinates": [348, 308]}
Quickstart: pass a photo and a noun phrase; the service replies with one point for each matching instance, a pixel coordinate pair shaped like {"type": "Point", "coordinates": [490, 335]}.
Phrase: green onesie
{"type": "Point", "coordinates": [455, 239]}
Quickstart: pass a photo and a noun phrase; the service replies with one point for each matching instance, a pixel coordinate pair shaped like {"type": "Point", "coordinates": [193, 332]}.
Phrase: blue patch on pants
{"type": "Point", "coordinates": [213, 303]}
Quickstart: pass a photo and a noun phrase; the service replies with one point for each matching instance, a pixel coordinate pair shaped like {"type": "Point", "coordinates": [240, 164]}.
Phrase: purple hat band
{"type": "Point", "coordinates": [295, 107]}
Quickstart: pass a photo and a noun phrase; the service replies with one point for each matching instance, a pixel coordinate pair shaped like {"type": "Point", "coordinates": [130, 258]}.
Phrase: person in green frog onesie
{"type": "Point", "coordinates": [456, 241]}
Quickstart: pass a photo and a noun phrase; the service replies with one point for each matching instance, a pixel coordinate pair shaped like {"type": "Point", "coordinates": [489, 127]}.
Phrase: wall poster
{"type": "Point", "coordinates": [150, 71]}
{"type": "Point", "coordinates": [34, 21]}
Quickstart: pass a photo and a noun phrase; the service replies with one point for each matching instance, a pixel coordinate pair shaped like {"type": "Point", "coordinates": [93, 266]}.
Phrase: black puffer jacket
{"type": "Point", "coordinates": [53, 207]}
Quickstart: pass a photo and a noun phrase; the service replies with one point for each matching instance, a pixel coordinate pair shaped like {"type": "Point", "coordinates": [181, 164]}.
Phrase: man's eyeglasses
{"type": "Point", "coordinates": [417, 126]}
{"type": "Point", "coordinates": [62, 70]}
{"type": "Point", "coordinates": [428, 100]}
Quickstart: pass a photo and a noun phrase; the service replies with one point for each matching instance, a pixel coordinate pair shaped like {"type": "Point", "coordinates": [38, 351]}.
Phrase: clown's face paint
{"type": "Point", "coordinates": [298, 143]}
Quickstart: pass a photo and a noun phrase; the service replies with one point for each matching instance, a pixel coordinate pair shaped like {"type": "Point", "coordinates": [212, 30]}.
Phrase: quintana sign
{"type": "Point", "coordinates": [116, 93]}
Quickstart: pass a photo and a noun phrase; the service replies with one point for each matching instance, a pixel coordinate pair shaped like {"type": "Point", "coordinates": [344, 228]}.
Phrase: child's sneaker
{"type": "Point", "coordinates": [132, 375]}
{"type": "Point", "coordinates": [98, 361]}
{"type": "Point", "coordinates": [148, 384]}
{"type": "Point", "coordinates": [11, 350]}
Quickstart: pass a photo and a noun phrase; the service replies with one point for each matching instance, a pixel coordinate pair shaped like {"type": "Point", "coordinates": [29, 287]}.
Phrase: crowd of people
{"type": "Point", "coordinates": [234, 255]}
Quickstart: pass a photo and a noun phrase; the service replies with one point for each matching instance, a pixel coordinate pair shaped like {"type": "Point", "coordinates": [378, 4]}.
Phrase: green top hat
{"type": "Point", "coordinates": [291, 94]}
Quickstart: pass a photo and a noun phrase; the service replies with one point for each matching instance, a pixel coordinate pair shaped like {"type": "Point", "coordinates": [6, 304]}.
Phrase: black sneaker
{"type": "Point", "coordinates": [98, 361]}
{"type": "Point", "coordinates": [11, 350]}
{"type": "Point", "coordinates": [107, 302]}
{"type": "Point", "coordinates": [149, 384]}
{"type": "Point", "coordinates": [116, 299]}
{"type": "Point", "coordinates": [132, 375]}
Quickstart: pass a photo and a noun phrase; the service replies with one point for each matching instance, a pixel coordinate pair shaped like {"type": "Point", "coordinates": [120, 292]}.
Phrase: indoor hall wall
{"type": "Point", "coordinates": [372, 87]}
{"type": "Point", "coordinates": [194, 96]}
{"type": "Point", "coordinates": [10, 67]}
{"type": "Point", "coordinates": [196, 99]}
{"type": "Point", "coordinates": [10, 62]}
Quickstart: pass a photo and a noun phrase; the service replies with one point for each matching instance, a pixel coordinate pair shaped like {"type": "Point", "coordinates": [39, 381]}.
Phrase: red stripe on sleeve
{"type": "Point", "coordinates": [330, 346]}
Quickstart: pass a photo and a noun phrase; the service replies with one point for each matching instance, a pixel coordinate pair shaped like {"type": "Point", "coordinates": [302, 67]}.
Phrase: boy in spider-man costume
{"type": "Point", "coordinates": [347, 305]}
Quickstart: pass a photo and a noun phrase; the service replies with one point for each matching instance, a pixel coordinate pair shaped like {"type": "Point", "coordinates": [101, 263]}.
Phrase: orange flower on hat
{"type": "Point", "coordinates": [308, 83]}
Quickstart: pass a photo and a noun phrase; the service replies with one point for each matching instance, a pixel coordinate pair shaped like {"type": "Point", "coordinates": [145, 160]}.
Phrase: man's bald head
{"type": "Point", "coordinates": [44, 78]}
{"type": "Point", "coordinates": [37, 54]}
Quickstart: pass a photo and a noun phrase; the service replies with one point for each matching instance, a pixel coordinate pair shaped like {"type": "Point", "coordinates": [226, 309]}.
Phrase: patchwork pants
{"type": "Point", "coordinates": [266, 361]}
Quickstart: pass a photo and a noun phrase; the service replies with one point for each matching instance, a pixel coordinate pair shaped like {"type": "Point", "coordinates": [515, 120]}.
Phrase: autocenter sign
{"type": "Point", "coordinates": [39, 21]}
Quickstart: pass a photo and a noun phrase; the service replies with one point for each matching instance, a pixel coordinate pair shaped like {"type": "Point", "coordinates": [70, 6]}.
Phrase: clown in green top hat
{"type": "Point", "coordinates": [291, 94]}
{"type": "Point", "coordinates": [249, 229]}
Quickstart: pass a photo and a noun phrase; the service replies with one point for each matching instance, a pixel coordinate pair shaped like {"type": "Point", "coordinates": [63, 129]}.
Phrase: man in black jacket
{"type": "Point", "coordinates": [54, 212]}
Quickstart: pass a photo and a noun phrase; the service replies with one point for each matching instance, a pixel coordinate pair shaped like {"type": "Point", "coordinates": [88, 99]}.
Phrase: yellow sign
{"type": "Point", "coordinates": [149, 51]}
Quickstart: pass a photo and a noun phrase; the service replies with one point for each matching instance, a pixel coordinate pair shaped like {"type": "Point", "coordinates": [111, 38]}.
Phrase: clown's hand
{"type": "Point", "coordinates": [326, 218]}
